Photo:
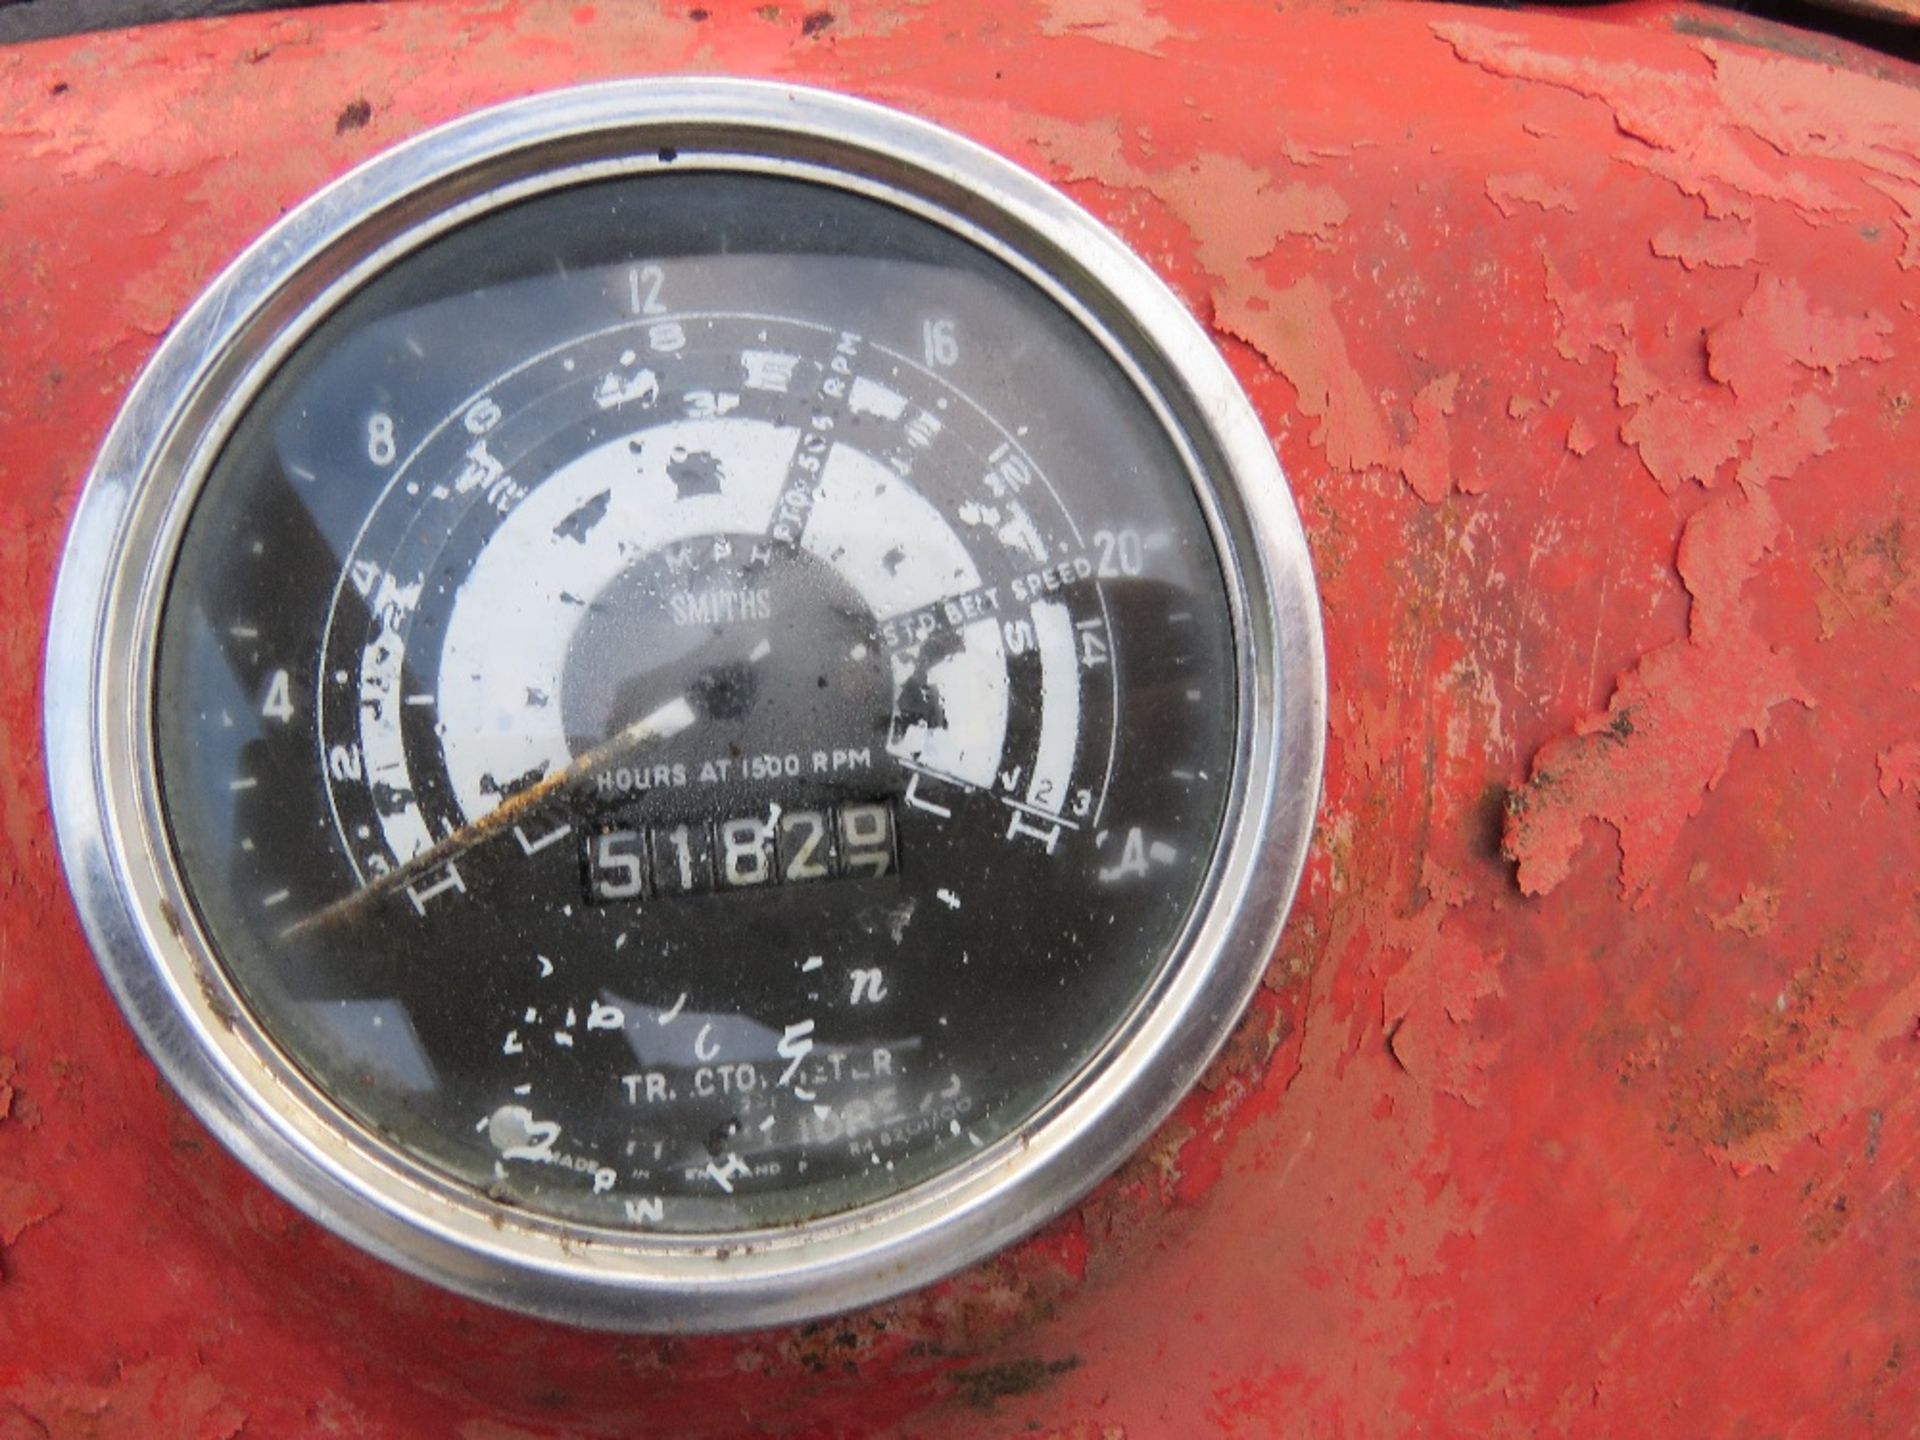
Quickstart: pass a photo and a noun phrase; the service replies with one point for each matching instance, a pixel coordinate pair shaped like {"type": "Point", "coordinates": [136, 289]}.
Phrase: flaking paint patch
{"type": "Point", "coordinates": [1511, 193]}
{"type": "Point", "coordinates": [1645, 765]}
{"type": "Point", "coordinates": [1297, 331]}
{"type": "Point", "coordinates": [1128, 24]}
{"type": "Point", "coordinates": [1425, 460]}
{"type": "Point", "coordinates": [1237, 214]}
{"type": "Point", "coordinates": [1428, 1008]}
{"type": "Point", "coordinates": [1852, 118]}
{"type": "Point", "coordinates": [1717, 244]}
{"type": "Point", "coordinates": [1899, 769]}
{"type": "Point", "coordinates": [1906, 199]}
{"type": "Point", "coordinates": [149, 1398]}
{"type": "Point", "coordinates": [1677, 118]}
{"type": "Point", "coordinates": [1759, 412]}
{"type": "Point", "coordinates": [1763, 353]}
{"type": "Point", "coordinates": [23, 1203]}
{"type": "Point", "coordinates": [1700, 130]}
{"type": "Point", "coordinates": [1300, 336]}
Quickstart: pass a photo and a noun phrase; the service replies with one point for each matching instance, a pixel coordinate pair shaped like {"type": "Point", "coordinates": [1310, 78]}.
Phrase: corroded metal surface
{"type": "Point", "coordinates": [1580, 1097]}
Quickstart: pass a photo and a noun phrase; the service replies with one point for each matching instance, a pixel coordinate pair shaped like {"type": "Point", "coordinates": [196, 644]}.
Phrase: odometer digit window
{"type": "Point", "coordinates": [704, 694]}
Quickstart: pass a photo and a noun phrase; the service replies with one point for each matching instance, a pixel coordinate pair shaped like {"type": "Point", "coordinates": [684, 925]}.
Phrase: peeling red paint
{"type": "Point", "coordinates": [1763, 417]}
{"type": "Point", "coordinates": [1694, 123]}
{"type": "Point", "coordinates": [1129, 24]}
{"type": "Point", "coordinates": [149, 1398]}
{"type": "Point", "coordinates": [1668, 728]}
{"type": "Point", "coordinates": [1907, 217]}
{"type": "Point", "coordinates": [1723, 244]}
{"type": "Point", "coordinates": [22, 1203]}
{"type": "Point", "coordinates": [1510, 192]}
{"type": "Point", "coordinates": [1428, 1013]}
{"type": "Point", "coordinates": [1900, 769]}
{"type": "Point", "coordinates": [1298, 333]}
{"type": "Point", "coordinates": [1778, 325]}
{"type": "Point", "coordinates": [1484, 1159]}
{"type": "Point", "coordinates": [1667, 733]}
{"type": "Point", "coordinates": [1238, 215]}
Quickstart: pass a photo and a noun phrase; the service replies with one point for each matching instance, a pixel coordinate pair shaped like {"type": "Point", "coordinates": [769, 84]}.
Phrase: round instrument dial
{"type": "Point", "coordinates": [724, 704]}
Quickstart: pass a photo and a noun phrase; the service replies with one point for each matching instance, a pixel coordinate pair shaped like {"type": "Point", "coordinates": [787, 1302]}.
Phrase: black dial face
{"type": "Point", "coordinates": [696, 702]}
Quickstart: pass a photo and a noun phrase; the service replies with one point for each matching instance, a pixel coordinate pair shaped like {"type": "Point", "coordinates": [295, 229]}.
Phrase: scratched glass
{"type": "Point", "coordinates": [696, 702]}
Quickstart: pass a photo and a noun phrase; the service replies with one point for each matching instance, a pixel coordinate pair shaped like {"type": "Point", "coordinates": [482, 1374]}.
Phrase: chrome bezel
{"type": "Point", "coordinates": [165, 972]}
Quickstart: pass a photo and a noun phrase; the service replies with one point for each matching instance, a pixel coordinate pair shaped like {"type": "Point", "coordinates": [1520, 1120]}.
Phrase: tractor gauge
{"type": "Point", "coordinates": [685, 705]}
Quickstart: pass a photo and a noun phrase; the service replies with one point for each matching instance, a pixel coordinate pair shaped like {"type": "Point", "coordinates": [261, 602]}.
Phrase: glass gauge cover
{"type": "Point", "coordinates": [691, 703]}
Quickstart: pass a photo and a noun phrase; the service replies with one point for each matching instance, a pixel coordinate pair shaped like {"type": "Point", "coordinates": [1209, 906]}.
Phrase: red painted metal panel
{"type": "Point", "coordinates": [1580, 1099]}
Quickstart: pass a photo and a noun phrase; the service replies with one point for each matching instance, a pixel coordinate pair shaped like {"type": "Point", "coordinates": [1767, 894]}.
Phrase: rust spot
{"type": "Point", "coordinates": [817, 22]}
{"type": "Point", "coordinates": [1249, 1048]}
{"type": "Point", "coordinates": [1749, 1108]}
{"type": "Point", "coordinates": [984, 1387]}
{"type": "Point", "coordinates": [1754, 915]}
{"type": "Point", "coordinates": [1730, 1107]}
{"type": "Point", "coordinates": [1825, 1224]}
{"type": "Point", "coordinates": [353, 117]}
{"type": "Point", "coordinates": [1865, 577]}
{"type": "Point", "coordinates": [834, 1346]}
{"type": "Point", "coordinates": [217, 1004]}
{"type": "Point", "coordinates": [170, 917]}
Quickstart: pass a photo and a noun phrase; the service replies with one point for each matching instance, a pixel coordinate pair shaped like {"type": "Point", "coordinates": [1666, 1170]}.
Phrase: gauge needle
{"type": "Point", "coordinates": [661, 723]}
